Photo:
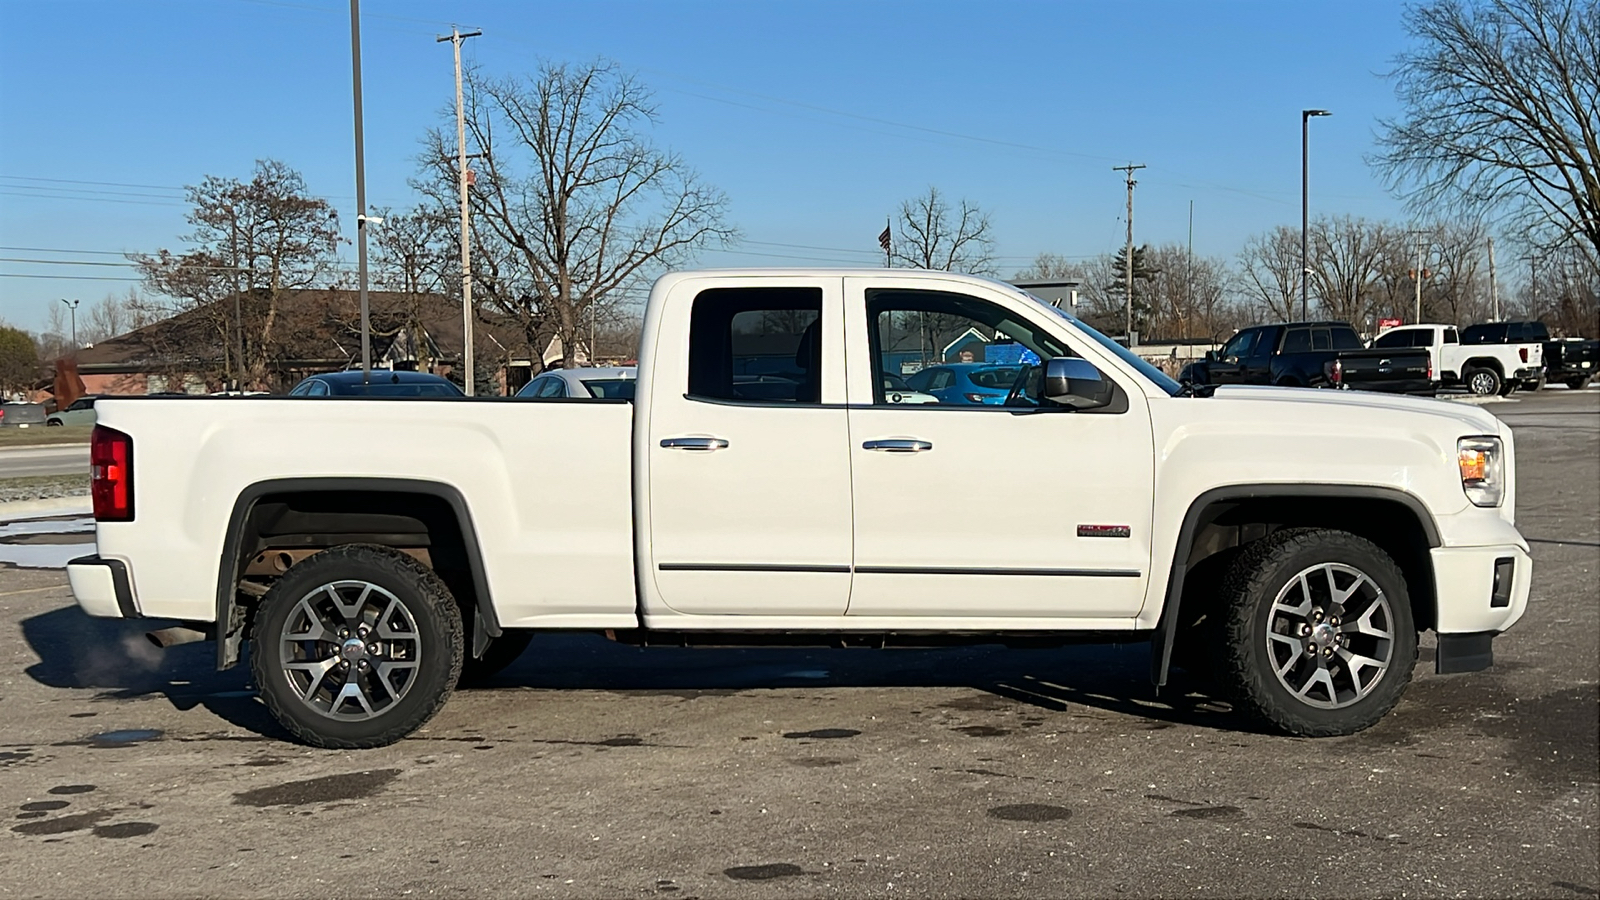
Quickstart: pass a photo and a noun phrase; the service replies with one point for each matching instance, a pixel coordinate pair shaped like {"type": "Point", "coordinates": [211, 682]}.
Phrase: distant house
{"type": "Point", "coordinates": [313, 331]}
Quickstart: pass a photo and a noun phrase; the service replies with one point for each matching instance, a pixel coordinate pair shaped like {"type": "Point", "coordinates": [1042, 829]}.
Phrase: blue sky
{"type": "Point", "coordinates": [816, 118]}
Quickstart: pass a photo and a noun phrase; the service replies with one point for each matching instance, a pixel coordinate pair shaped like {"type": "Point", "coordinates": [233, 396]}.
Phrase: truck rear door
{"type": "Point", "coordinates": [748, 488]}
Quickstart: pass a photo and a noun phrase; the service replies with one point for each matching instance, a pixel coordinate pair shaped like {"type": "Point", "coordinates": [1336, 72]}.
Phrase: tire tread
{"type": "Point", "coordinates": [1253, 689]}
{"type": "Point", "coordinates": [431, 591]}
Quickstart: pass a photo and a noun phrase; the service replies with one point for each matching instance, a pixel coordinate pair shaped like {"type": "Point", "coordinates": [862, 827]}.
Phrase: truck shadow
{"type": "Point", "coordinates": [1109, 678]}
{"type": "Point", "coordinates": [113, 657]}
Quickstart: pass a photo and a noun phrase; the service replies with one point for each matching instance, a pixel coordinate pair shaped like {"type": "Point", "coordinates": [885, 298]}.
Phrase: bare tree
{"type": "Point", "coordinates": [1269, 272]}
{"type": "Point", "coordinates": [932, 235]}
{"type": "Point", "coordinates": [573, 205]}
{"type": "Point", "coordinates": [1100, 300]}
{"type": "Point", "coordinates": [1187, 298]}
{"type": "Point", "coordinates": [415, 255]}
{"type": "Point", "coordinates": [1346, 256]}
{"type": "Point", "coordinates": [111, 316]}
{"type": "Point", "coordinates": [1498, 114]}
{"type": "Point", "coordinates": [253, 242]}
{"type": "Point", "coordinates": [1049, 266]}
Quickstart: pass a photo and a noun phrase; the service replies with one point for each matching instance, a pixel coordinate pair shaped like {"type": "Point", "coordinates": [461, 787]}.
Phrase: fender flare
{"type": "Point", "coordinates": [230, 627]}
{"type": "Point", "coordinates": [1166, 627]}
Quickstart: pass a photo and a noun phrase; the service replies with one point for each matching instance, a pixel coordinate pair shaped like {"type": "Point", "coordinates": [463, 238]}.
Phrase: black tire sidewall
{"type": "Point", "coordinates": [1247, 658]}
{"type": "Point", "coordinates": [1473, 373]}
{"type": "Point", "coordinates": [439, 630]}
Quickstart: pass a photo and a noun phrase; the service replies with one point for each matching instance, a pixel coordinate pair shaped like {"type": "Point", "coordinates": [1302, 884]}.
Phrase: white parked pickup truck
{"type": "Point", "coordinates": [1482, 368]}
{"type": "Point", "coordinates": [1288, 545]}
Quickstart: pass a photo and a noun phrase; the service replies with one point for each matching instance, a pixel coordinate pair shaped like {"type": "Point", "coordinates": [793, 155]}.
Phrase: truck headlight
{"type": "Point", "coordinates": [1483, 474]}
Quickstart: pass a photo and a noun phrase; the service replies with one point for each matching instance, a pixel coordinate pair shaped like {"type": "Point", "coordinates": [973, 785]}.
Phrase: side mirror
{"type": "Point", "coordinates": [1075, 383]}
{"type": "Point", "coordinates": [1211, 356]}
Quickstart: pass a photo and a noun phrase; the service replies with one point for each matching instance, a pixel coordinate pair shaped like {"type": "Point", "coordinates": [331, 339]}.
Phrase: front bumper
{"type": "Point", "coordinates": [1481, 592]}
{"type": "Point", "coordinates": [102, 587]}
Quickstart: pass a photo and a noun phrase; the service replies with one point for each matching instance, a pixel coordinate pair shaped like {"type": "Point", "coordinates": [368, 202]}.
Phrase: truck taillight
{"type": "Point", "coordinates": [111, 474]}
{"type": "Point", "coordinates": [1523, 352]}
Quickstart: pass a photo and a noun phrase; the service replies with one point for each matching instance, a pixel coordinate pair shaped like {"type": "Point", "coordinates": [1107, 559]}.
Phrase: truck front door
{"type": "Point", "coordinates": [976, 509]}
{"type": "Point", "coordinates": [747, 497]}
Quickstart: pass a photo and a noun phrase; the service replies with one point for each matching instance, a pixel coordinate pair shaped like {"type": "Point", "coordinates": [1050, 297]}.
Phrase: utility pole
{"type": "Point", "coordinates": [1494, 292]}
{"type": "Point", "coordinates": [361, 194]}
{"type": "Point", "coordinates": [1419, 272]}
{"type": "Point", "coordinates": [1188, 271]}
{"type": "Point", "coordinates": [469, 372]}
{"type": "Point", "coordinates": [1533, 285]}
{"type": "Point", "coordinates": [1130, 168]}
{"type": "Point", "coordinates": [73, 305]}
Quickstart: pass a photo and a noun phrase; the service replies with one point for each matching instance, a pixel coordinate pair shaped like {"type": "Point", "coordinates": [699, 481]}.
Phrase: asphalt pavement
{"type": "Point", "coordinates": [590, 769]}
{"type": "Point", "coordinates": [56, 459]}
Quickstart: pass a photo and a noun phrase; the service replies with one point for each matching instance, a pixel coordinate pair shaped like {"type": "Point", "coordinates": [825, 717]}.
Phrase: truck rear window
{"type": "Point", "coordinates": [756, 345]}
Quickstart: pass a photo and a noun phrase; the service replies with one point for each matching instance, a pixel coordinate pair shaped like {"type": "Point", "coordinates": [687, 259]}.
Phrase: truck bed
{"type": "Point", "coordinates": [549, 482]}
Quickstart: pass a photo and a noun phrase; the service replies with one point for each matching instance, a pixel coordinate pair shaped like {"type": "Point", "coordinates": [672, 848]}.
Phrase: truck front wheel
{"type": "Point", "coordinates": [356, 647]}
{"type": "Point", "coordinates": [1319, 639]}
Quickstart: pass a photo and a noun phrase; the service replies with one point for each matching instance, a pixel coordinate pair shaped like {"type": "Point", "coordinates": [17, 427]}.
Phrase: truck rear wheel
{"type": "Point", "coordinates": [1483, 382]}
{"type": "Point", "coordinates": [356, 647]}
{"type": "Point", "coordinates": [1578, 384]}
{"type": "Point", "coordinates": [1319, 639]}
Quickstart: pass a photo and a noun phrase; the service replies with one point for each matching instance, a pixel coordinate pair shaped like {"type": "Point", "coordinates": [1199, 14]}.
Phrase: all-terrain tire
{"type": "Point", "coordinates": [1247, 667]}
{"type": "Point", "coordinates": [407, 613]}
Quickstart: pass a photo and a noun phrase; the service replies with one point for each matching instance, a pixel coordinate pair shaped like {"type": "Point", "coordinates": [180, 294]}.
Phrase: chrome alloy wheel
{"type": "Point", "coordinates": [350, 650]}
{"type": "Point", "coordinates": [1483, 383]}
{"type": "Point", "coordinates": [1330, 635]}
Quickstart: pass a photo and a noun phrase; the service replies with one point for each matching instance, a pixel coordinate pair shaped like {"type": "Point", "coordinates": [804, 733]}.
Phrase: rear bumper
{"type": "Point", "coordinates": [102, 587]}
{"type": "Point", "coordinates": [1402, 386]}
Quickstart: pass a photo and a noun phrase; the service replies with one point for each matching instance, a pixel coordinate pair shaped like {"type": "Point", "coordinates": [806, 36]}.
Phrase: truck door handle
{"type": "Point", "coordinates": [898, 445]}
{"type": "Point", "coordinates": [694, 443]}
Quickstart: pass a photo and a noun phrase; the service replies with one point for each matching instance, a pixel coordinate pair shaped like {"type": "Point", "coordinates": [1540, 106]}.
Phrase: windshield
{"type": "Point", "coordinates": [1161, 379]}
{"type": "Point", "coordinates": [611, 388]}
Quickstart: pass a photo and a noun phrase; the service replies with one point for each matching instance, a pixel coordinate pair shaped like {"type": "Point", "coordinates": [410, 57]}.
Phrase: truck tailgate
{"type": "Point", "coordinates": [1386, 369]}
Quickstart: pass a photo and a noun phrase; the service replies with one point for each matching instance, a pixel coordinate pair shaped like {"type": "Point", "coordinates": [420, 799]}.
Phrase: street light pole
{"type": "Point", "coordinates": [361, 194]}
{"type": "Point", "coordinates": [73, 305]}
{"type": "Point", "coordinates": [1305, 204]}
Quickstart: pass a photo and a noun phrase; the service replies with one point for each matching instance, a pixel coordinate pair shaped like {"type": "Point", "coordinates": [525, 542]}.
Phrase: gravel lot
{"type": "Point", "coordinates": [591, 770]}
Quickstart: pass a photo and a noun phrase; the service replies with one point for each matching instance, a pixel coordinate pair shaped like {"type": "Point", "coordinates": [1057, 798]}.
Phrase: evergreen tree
{"type": "Point", "coordinates": [1143, 275]}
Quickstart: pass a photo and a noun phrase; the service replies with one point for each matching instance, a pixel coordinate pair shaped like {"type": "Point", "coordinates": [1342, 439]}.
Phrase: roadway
{"type": "Point", "coordinates": [57, 459]}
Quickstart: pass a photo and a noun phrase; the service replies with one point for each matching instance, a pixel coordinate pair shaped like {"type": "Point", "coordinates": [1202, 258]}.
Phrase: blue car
{"type": "Point", "coordinates": [968, 383]}
{"type": "Point", "coordinates": [378, 383]}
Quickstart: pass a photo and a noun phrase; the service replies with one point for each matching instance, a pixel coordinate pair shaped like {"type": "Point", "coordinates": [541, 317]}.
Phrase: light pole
{"type": "Point", "coordinates": [73, 305]}
{"type": "Point", "coordinates": [1305, 202]}
{"type": "Point", "coordinates": [361, 194]}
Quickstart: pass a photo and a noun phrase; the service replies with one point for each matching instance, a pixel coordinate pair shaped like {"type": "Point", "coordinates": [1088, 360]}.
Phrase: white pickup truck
{"type": "Point", "coordinates": [1289, 545]}
{"type": "Point", "coordinates": [1483, 368]}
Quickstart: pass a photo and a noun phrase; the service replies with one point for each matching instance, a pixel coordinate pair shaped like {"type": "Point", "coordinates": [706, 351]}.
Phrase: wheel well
{"type": "Point", "coordinates": [272, 529]}
{"type": "Point", "coordinates": [1394, 526]}
{"type": "Point", "coordinates": [1485, 362]}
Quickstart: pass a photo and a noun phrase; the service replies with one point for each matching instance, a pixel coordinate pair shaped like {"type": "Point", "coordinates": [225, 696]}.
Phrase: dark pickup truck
{"type": "Point", "coordinates": [1569, 361]}
{"type": "Point", "coordinates": [1313, 354]}
{"type": "Point", "coordinates": [1572, 361]}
